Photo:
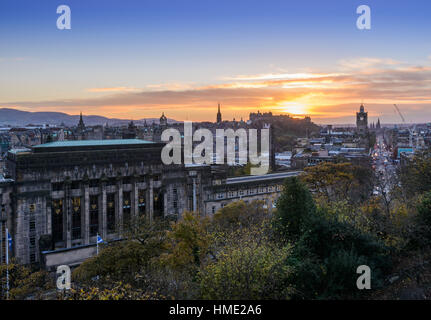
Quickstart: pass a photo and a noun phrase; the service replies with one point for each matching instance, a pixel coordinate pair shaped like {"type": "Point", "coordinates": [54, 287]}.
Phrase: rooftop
{"type": "Point", "coordinates": [85, 143]}
{"type": "Point", "coordinates": [94, 145]}
{"type": "Point", "coordinates": [269, 176]}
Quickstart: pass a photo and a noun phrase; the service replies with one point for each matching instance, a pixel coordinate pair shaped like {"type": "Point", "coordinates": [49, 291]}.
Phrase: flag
{"type": "Point", "coordinates": [9, 240]}
{"type": "Point", "coordinates": [99, 239]}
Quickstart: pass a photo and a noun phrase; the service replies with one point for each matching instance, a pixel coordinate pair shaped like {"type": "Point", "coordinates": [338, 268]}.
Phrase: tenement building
{"type": "Point", "coordinates": [62, 194]}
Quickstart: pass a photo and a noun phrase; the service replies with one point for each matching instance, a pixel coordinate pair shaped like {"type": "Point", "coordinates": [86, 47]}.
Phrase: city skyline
{"type": "Point", "coordinates": [146, 58]}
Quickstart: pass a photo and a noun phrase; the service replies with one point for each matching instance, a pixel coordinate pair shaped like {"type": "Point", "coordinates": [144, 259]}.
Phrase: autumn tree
{"type": "Point", "coordinates": [249, 266]}
{"type": "Point", "coordinates": [415, 174]}
{"type": "Point", "coordinates": [339, 181]}
{"type": "Point", "coordinates": [24, 282]}
{"type": "Point", "coordinates": [187, 242]}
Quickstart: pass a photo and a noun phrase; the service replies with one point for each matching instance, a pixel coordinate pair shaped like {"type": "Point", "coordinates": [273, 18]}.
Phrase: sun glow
{"type": "Point", "coordinates": [294, 108]}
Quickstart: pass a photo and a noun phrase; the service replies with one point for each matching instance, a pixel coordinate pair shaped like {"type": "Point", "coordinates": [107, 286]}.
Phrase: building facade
{"type": "Point", "coordinates": [62, 194]}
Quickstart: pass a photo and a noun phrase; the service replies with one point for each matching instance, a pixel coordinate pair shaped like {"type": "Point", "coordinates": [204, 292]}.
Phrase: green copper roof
{"type": "Point", "coordinates": [85, 143]}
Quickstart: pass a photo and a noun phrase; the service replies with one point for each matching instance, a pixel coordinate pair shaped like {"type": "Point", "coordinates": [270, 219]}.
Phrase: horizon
{"type": "Point", "coordinates": [184, 58]}
{"type": "Point", "coordinates": [337, 125]}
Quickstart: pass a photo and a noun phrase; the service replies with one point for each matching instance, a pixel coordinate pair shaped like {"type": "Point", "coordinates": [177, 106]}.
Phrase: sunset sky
{"type": "Point", "coordinates": [137, 59]}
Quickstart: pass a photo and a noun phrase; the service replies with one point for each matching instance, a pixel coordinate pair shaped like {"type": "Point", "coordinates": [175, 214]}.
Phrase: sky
{"type": "Point", "coordinates": [135, 59]}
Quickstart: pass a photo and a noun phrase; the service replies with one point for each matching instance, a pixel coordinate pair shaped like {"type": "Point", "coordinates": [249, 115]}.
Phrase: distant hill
{"type": "Point", "coordinates": [13, 117]}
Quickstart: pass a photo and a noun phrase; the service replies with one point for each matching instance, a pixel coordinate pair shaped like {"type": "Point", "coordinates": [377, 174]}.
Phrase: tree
{"type": "Point", "coordinates": [188, 242]}
{"type": "Point", "coordinates": [415, 174]}
{"type": "Point", "coordinates": [247, 267]}
{"type": "Point", "coordinates": [24, 283]}
{"type": "Point", "coordinates": [339, 181]}
{"type": "Point", "coordinates": [239, 214]}
{"type": "Point", "coordinates": [294, 207]}
{"type": "Point", "coordinates": [119, 261]}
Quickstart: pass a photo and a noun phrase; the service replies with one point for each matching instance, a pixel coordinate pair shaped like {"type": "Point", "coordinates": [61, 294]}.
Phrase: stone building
{"type": "Point", "coordinates": [6, 189]}
{"type": "Point", "coordinates": [362, 121]}
{"type": "Point", "coordinates": [62, 194]}
{"type": "Point", "coordinates": [248, 188]}
{"type": "Point", "coordinates": [67, 192]}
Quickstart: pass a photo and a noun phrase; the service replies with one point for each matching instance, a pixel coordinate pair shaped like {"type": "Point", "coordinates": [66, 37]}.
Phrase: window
{"type": "Point", "coordinates": [175, 199]}
{"type": "Point", "coordinates": [141, 202]}
{"type": "Point", "coordinates": [32, 225]}
{"type": "Point", "coordinates": [213, 209]}
{"type": "Point", "coordinates": [94, 183]}
{"type": "Point", "coordinates": [57, 186]}
{"type": "Point", "coordinates": [94, 215]}
{"type": "Point", "coordinates": [75, 185]}
{"type": "Point", "coordinates": [158, 204]}
{"type": "Point", "coordinates": [126, 207]}
{"type": "Point", "coordinates": [57, 220]}
{"type": "Point", "coordinates": [110, 212]}
{"type": "Point", "coordinates": [142, 179]}
{"type": "Point", "coordinates": [76, 218]}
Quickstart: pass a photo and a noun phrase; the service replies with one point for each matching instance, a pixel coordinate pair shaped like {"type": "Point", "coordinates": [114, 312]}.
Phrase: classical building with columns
{"type": "Point", "coordinates": [62, 194]}
{"type": "Point", "coordinates": [6, 188]}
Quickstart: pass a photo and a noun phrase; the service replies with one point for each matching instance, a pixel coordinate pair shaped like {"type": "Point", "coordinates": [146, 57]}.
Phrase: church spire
{"type": "Point", "coordinates": [81, 124]}
{"type": "Point", "coordinates": [218, 114]}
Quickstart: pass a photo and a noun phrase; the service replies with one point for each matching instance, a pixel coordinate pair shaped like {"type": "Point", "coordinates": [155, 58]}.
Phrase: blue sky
{"type": "Point", "coordinates": [136, 58]}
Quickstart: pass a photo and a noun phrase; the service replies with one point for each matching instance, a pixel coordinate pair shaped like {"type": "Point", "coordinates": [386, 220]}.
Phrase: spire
{"type": "Point", "coordinates": [81, 124]}
{"type": "Point", "coordinates": [163, 120]}
{"type": "Point", "coordinates": [218, 114]}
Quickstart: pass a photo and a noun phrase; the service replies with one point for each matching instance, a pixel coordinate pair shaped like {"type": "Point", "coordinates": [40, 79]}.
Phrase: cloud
{"type": "Point", "coordinates": [367, 62]}
{"type": "Point", "coordinates": [287, 76]}
{"type": "Point", "coordinates": [324, 95]}
{"type": "Point", "coordinates": [114, 89]}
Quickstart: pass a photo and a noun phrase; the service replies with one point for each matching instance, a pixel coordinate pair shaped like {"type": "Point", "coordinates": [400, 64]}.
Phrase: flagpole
{"type": "Point", "coordinates": [7, 263]}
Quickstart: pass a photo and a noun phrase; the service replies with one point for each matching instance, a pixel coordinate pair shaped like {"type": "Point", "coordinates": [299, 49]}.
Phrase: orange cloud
{"type": "Point", "coordinates": [323, 96]}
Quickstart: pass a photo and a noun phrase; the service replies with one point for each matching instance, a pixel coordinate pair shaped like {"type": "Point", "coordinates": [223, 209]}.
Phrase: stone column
{"type": "Point", "coordinates": [135, 212]}
{"type": "Point", "coordinates": [48, 215]}
{"type": "Point", "coordinates": [120, 206]}
{"type": "Point", "coordinates": [86, 220]}
{"type": "Point", "coordinates": [151, 200]}
{"type": "Point", "coordinates": [103, 222]}
{"type": "Point", "coordinates": [67, 223]}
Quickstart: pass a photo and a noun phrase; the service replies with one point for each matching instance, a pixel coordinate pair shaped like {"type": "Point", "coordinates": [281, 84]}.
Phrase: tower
{"type": "Point", "coordinates": [378, 126]}
{"type": "Point", "coordinates": [81, 125]}
{"type": "Point", "coordinates": [130, 132]}
{"type": "Point", "coordinates": [219, 114]}
{"type": "Point", "coordinates": [163, 120]}
{"type": "Point", "coordinates": [362, 120]}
